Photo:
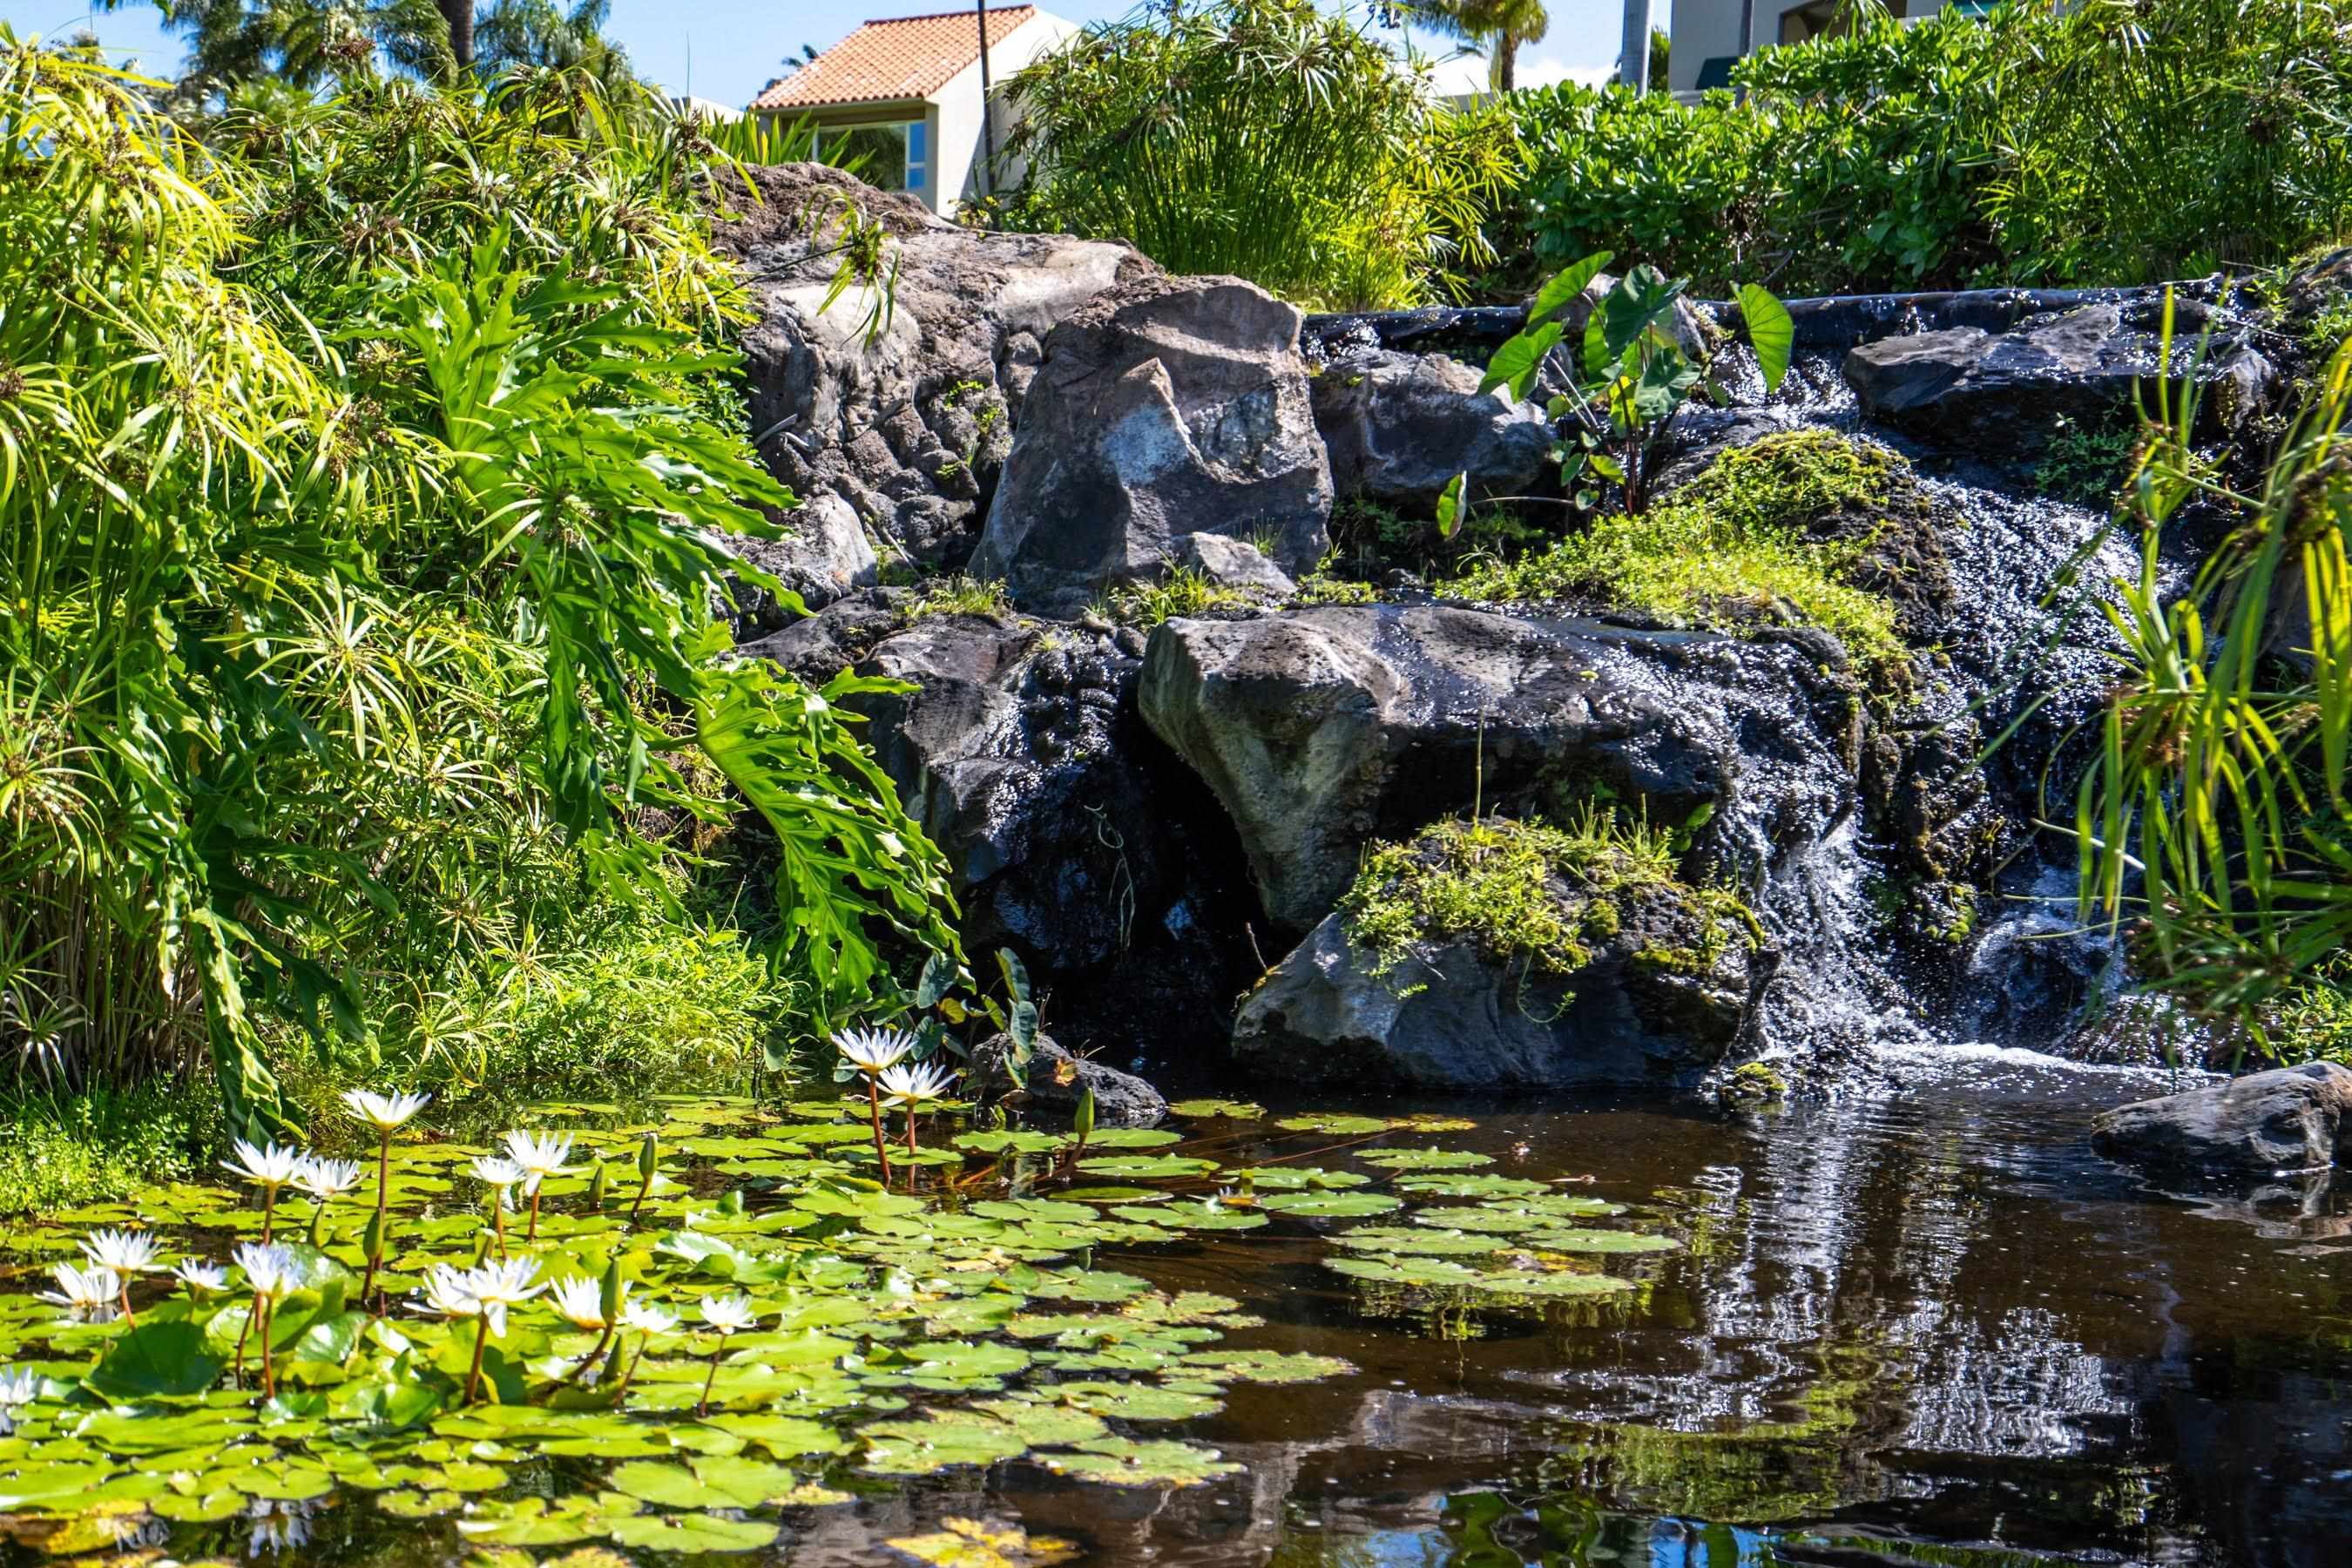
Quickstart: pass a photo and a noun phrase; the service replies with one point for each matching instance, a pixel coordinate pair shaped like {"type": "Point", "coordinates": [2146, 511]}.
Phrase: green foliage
{"type": "Point", "coordinates": [963, 596]}
{"type": "Point", "coordinates": [1178, 591]}
{"type": "Point", "coordinates": [2021, 145]}
{"type": "Point", "coordinates": [58, 1150]}
{"type": "Point", "coordinates": [2087, 463]}
{"type": "Point", "coordinates": [1519, 890]}
{"type": "Point", "coordinates": [2217, 811]}
{"type": "Point", "coordinates": [362, 474]}
{"type": "Point", "coordinates": [1265, 138]}
{"type": "Point", "coordinates": [1731, 547]}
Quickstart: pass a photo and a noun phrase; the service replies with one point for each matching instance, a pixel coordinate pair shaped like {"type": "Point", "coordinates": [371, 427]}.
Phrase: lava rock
{"type": "Point", "coordinates": [2288, 1119]}
{"type": "Point", "coordinates": [1058, 1080]}
{"type": "Point", "coordinates": [1400, 427]}
{"type": "Point", "coordinates": [1455, 1018]}
{"type": "Point", "coordinates": [1320, 730]}
{"type": "Point", "coordinates": [2003, 392]}
{"type": "Point", "coordinates": [1165, 407]}
{"type": "Point", "coordinates": [1235, 564]}
{"type": "Point", "coordinates": [905, 428]}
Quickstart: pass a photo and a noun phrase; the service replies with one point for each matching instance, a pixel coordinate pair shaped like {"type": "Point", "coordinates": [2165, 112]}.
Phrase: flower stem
{"type": "Point", "coordinates": [268, 1214]}
{"type": "Point", "coordinates": [129, 1321]}
{"type": "Point", "coordinates": [532, 1233]}
{"type": "Point", "coordinates": [268, 1376]}
{"type": "Point", "coordinates": [498, 1221]}
{"type": "Point", "coordinates": [910, 1148]}
{"type": "Point", "coordinates": [703, 1408]}
{"type": "Point", "coordinates": [881, 1147]}
{"type": "Point", "coordinates": [474, 1373]}
{"type": "Point", "coordinates": [241, 1335]}
{"type": "Point", "coordinates": [383, 1187]}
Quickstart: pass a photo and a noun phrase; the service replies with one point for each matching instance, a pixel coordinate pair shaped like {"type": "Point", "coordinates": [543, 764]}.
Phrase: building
{"type": "Point", "coordinates": [905, 93]}
{"type": "Point", "coordinates": [1711, 35]}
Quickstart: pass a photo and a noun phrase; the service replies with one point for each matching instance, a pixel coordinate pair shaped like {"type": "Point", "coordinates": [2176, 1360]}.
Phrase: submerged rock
{"type": "Point", "coordinates": [1058, 1080]}
{"type": "Point", "coordinates": [2288, 1119]}
{"type": "Point", "coordinates": [1400, 427]}
{"type": "Point", "coordinates": [2003, 392]}
{"type": "Point", "coordinates": [902, 412]}
{"type": "Point", "coordinates": [1164, 409]}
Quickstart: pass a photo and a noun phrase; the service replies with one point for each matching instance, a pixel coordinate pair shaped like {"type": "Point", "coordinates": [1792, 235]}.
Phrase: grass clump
{"type": "Point", "coordinates": [1523, 892]}
{"type": "Point", "coordinates": [962, 595]}
{"type": "Point", "coordinates": [1180, 591]}
{"type": "Point", "coordinates": [1743, 542]}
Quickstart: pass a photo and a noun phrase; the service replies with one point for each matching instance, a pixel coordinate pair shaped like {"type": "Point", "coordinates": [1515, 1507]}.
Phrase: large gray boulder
{"type": "Point", "coordinates": [2004, 392]}
{"type": "Point", "coordinates": [1455, 1018]}
{"type": "Point", "coordinates": [1058, 1081]}
{"type": "Point", "coordinates": [1399, 427]}
{"type": "Point", "coordinates": [1166, 407]}
{"type": "Point", "coordinates": [2288, 1119]}
{"type": "Point", "coordinates": [901, 430]}
{"type": "Point", "coordinates": [1319, 730]}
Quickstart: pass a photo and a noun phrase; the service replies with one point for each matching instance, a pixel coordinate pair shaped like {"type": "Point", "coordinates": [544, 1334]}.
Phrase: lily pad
{"type": "Point", "coordinates": [1239, 1109]}
{"type": "Point", "coordinates": [1136, 1462]}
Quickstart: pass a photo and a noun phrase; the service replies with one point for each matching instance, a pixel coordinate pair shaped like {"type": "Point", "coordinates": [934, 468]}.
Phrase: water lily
{"type": "Point", "coordinates": [18, 1385]}
{"type": "Point", "coordinates": [323, 1180]}
{"type": "Point", "coordinates": [387, 1114]}
{"type": "Point", "coordinates": [729, 1315]}
{"type": "Point", "coordinates": [201, 1278]}
{"type": "Point", "coordinates": [499, 1286]}
{"type": "Point", "coordinates": [483, 1294]}
{"type": "Point", "coordinates": [874, 1052]}
{"type": "Point", "coordinates": [272, 1275]}
{"type": "Point", "coordinates": [913, 1087]}
{"type": "Point", "coordinates": [540, 1156]}
{"type": "Point", "coordinates": [579, 1300]}
{"type": "Point", "coordinates": [89, 1292]}
{"type": "Point", "coordinates": [125, 1253]}
{"type": "Point", "coordinates": [501, 1175]}
{"type": "Point", "coordinates": [649, 1320]}
{"type": "Point", "coordinates": [270, 1167]}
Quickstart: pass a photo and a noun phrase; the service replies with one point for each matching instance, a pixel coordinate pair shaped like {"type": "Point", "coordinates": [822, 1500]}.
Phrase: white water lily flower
{"type": "Point", "coordinates": [324, 1179]}
{"type": "Point", "coordinates": [202, 1278]}
{"type": "Point", "coordinates": [387, 1113]}
{"type": "Point", "coordinates": [269, 1271]}
{"type": "Point", "coordinates": [270, 1168]}
{"type": "Point", "coordinates": [922, 1083]}
{"type": "Point", "coordinates": [872, 1050]}
{"type": "Point", "coordinates": [498, 1286]}
{"type": "Point", "coordinates": [729, 1314]}
{"type": "Point", "coordinates": [539, 1156]}
{"type": "Point", "coordinates": [579, 1300]}
{"type": "Point", "coordinates": [448, 1293]}
{"type": "Point", "coordinates": [647, 1318]}
{"type": "Point", "coordinates": [18, 1385]}
{"type": "Point", "coordinates": [499, 1173]}
{"type": "Point", "coordinates": [92, 1291]}
{"type": "Point", "coordinates": [124, 1251]}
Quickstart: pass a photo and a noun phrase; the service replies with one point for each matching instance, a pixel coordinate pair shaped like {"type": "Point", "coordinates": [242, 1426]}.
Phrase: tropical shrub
{"type": "Point", "coordinates": [2018, 145]}
{"type": "Point", "coordinates": [1263, 138]}
{"type": "Point", "coordinates": [364, 467]}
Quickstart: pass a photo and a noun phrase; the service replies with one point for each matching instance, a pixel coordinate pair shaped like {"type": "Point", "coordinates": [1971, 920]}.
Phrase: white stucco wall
{"type": "Point", "coordinates": [956, 109]}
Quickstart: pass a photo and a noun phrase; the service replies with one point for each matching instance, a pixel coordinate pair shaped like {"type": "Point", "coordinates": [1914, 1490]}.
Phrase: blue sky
{"type": "Point", "coordinates": [727, 49]}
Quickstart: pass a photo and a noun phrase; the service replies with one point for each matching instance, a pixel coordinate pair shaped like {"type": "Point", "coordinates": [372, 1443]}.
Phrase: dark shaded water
{"type": "Point", "coordinates": [1924, 1327]}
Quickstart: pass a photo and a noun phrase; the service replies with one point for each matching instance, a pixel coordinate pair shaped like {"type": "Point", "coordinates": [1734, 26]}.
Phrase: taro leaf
{"type": "Point", "coordinates": [1345, 1126]}
{"type": "Point", "coordinates": [1771, 332]}
{"type": "Point", "coordinates": [1266, 1366]}
{"type": "Point", "coordinates": [1516, 362]}
{"type": "Point", "coordinates": [1614, 1241]}
{"type": "Point", "coordinates": [1566, 284]}
{"type": "Point", "coordinates": [1282, 1178]}
{"type": "Point", "coordinates": [1425, 1159]}
{"type": "Point", "coordinates": [1140, 1462]}
{"type": "Point", "coordinates": [940, 1439]}
{"type": "Point", "coordinates": [689, 1532]}
{"type": "Point", "coordinates": [1331, 1205]}
{"type": "Point", "coordinates": [157, 1359]}
{"type": "Point", "coordinates": [1194, 1216]}
{"type": "Point", "coordinates": [1147, 1167]}
{"type": "Point", "coordinates": [975, 1543]}
{"type": "Point", "coordinates": [1135, 1401]}
{"type": "Point", "coordinates": [1644, 299]}
{"type": "Point", "coordinates": [1239, 1109]}
{"type": "Point", "coordinates": [1449, 505]}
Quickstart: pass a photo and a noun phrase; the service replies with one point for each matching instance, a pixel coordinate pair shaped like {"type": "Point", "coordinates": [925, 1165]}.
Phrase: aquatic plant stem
{"type": "Point", "coordinates": [268, 1214]}
{"type": "Point", "coordinates": [590, 1359]}
{"type": "Point", "coordinates": [873, 1106]}
{"type": "Point", "coordinates": [268, 1374]}
{"type": "Point", "coordinates": [703, 1407]}
{"type": "Point", "coordinates": [532, 1234]}
{"type": "Point", "coordinates": [317, 1217]}
{"type": "Point", "coordinates": [382, 1194]}
{"type": "Point", "coordinates": [499, 1223]}
{"type": "Point", "coordinates": [241, 1335]}
{"type": "Point", "coordinates": [630, 1376]}
{"type": "Point", "coordinates": [910, 1148]}
{"type": "Point", "coordinates": [129, 1321]}
{"type": "Point", "coordinates": [474, 1373]}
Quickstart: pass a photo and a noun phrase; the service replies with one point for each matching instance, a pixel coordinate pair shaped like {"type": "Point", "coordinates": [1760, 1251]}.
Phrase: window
{"type": "Point", "coordinates": [887, 157]}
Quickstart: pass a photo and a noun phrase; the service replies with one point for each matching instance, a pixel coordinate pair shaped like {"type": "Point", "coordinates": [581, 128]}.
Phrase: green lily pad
{"type": "Point", "coordinates": [1194, 1216]}
{"type": "Point", "coordinates": [941, 1440]}
{"type": "Point", "coordinates": [1239, 1109]}
{"type": "Point", "coordinates": [1340, 1125]}
{"type": "Point", "coordinates": [1331, 1205]}
{"type": "Point", "coordinates": [1473, 1186]}
{"type": "Point", "coordinates": [1606, 1241]}
{"type": "Point", "coordinates": [1425, 1159]}
{"type": "Point", "coordinates": [687, 1532]}
{"type": "Point", "coordinates": [1135, 1462]}
{"type": "Point", "coordinates": [1147, 1167]}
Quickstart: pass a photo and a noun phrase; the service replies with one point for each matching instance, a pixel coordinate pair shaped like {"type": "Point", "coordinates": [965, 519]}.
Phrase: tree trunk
{"type": "Point", "coordinates": [1503, 70]}
{"type": "Point", "coordinates": [459, 14]}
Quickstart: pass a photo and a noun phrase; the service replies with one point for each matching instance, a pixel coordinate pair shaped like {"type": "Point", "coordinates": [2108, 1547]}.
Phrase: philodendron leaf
{"type": "Point", "coordinates": [1771, 332]}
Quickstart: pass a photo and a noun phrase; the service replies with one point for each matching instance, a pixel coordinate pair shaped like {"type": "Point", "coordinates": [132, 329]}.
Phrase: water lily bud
{"type": "Point", "coordinates": [649, 1158]}
{"type": "Point", "coordinates": [371, 1239]}
{"type": "Point", "coordinates": [599, 1181]}
{"type": "Point", "coordinates": [733, 1203]}
{"type": "Point", "coordinates": [482, 1248]}
{"type": "Point", "coordinates": [608, 1294]}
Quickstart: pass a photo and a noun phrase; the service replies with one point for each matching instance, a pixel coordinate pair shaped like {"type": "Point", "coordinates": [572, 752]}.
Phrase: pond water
{"type": "Point", "coordinates": [1921, 1324]}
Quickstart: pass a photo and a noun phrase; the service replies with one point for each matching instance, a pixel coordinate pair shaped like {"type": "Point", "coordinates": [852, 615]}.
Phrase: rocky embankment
{"type": "Point", "coordinates": [1170, 755]}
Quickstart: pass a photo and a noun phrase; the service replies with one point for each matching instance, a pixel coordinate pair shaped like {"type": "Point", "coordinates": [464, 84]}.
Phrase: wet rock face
{"type": "Point", "coordinates": [1058, 1081]}
{"type": "Point", "coordinates": [1074, 837]}
{"type": "Point", "coordinates": [2289, 1119]}
{"type": "Point", "coordinates": [1164, 409]}
{"type": "Point", "coordinates": [1398, 427]}
{"type": "Point", "coordinates": [1321, 730]}
{"type": "Point", "coordinates": [2002, 393]}
{"type": "Point", "coordinates": [905, 432]}
{"type": "Point", "coordinates": [1455, 1018]}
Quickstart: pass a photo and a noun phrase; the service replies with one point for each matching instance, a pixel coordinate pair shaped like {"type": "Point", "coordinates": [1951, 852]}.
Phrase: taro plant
{"type": "Point", "coordinates": [1629, 376]}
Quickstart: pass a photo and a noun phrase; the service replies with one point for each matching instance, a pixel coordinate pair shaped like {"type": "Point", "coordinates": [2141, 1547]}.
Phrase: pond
{"type": "Point", "coordinates": [1921, 1324]}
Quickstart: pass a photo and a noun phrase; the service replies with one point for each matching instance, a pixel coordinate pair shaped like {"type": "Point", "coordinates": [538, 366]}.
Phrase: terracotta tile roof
{"type": "Point", "coordinates": [891, 59]}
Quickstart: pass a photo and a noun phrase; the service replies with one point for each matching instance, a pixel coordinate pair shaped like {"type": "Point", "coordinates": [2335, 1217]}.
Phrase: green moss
{"type": "Point", "coordinates": [1732, 548]}
{"type": "Point", "coordinates": [1528, 893]}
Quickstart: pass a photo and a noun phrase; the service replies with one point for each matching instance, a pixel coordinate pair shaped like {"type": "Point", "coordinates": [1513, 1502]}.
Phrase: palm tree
{"type": "Point", "coordinates": [300, 42]}
{"type": "Point", "coordinates": [1495, 27]}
